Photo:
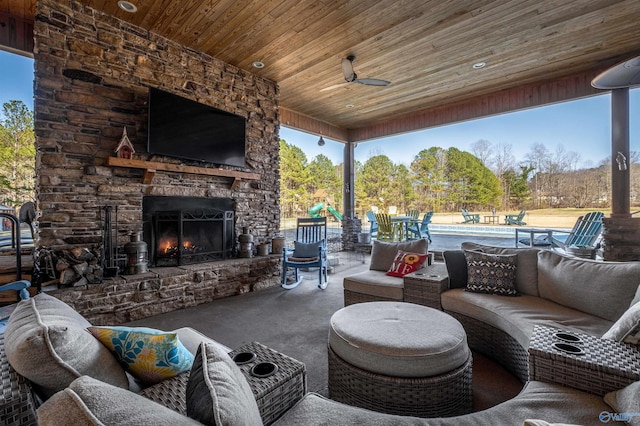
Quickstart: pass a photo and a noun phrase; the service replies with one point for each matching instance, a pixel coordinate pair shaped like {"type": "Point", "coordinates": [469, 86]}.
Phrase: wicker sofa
{"type": "Point", "coordinates": [554, 290]}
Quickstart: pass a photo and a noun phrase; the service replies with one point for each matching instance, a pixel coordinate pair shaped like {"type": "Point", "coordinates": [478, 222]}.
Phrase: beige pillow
{"type": "Point", "coordinates": [603, 289]}
{"type": "Point", "coordinates": [47, 342]}
{"type": "Point", "coordinates": [383, 253]}
{"type": "Point", "coordinates": [89, 401]}
{"type": "Point", "coordinates": [627, 328]}
{"type": "Point", "coordinates": [217, 391]}
{"type": "Point", "coordinates": [625, 401]}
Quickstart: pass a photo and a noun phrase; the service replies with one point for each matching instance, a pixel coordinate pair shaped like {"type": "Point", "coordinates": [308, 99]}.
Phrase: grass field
{"type": "Point", "coordinates": [542, 218]}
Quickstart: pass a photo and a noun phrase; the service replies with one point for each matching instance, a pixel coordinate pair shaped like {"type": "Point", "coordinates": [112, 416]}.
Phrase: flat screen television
{"type": "Point", "coordinates": [182, 128]}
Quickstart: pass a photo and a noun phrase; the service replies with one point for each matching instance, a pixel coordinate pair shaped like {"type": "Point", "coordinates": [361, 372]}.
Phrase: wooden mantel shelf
{"type": "Point", "coordinates": [150, 168]}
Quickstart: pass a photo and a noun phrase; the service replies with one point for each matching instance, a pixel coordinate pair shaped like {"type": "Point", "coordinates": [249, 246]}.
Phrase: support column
{"type": "Point", "coordinates": [351, 225]}
{"type": "Point", "coordinates": [620, 162]}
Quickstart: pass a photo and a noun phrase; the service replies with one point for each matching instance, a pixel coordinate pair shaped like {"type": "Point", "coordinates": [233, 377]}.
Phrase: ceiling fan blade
{"type": "Point", "coordinates": [347, 69]}
{"type": "Point", "coordinates": [372, 82]}
{"type": "Point", "coordinates": [334, 86]}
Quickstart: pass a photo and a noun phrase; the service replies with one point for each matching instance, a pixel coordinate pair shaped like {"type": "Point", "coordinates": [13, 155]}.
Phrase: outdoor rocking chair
{"type": "Point", "coordinates": [310, 251]}
{"type": "Point", "coordinates": [470, 218]}
{"type": "Point", "coordinates": [515, 219]}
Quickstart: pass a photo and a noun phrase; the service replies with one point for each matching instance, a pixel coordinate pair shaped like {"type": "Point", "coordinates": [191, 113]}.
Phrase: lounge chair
{"type": "Point", "coordinates": [585, 233]}
{"type": "Point", "coordinates": [515, 219]}
{"type": "Point", "coordinates": [387, 229]}
{"type": "Point", "coordinates": [470, 218]}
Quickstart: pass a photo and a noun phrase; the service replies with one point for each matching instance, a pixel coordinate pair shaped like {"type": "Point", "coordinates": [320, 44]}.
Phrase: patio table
{"type": "Point", "coordinates": [532, 233]}
{"type": "Point", "coordinates": [491, 218]}
{"type": "Point", "coordinates": [403, 223]}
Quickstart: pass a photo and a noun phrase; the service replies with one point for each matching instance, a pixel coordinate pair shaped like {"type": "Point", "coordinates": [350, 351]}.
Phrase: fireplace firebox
{"type": "Point", "coordinates": [202, 230]}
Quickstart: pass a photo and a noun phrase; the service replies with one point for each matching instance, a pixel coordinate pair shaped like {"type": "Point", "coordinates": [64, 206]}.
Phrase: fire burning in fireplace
{"type": "Point", "coordinates": [169, 247]}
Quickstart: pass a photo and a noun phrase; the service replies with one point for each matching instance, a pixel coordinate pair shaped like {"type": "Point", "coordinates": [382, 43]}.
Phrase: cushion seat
{"type": "Point", "coordinates": [375, 283]}
{"type": "Point", "coordinates": [389, 338]}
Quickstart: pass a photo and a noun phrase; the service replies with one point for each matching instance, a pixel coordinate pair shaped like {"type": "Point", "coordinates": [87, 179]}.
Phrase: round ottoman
{"type": "Point", "coordinates": [399, 358]}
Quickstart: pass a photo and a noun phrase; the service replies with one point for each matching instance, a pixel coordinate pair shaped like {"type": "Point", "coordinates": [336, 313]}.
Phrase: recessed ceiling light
{"type": "Point", "coordinates": [479, 65]}
{"type": "Point", "coordinates": [350, 106]}
{"type": "Point", "coordinates": [257, 64]}
{"type": "Point", "coordinates": [127, 6]}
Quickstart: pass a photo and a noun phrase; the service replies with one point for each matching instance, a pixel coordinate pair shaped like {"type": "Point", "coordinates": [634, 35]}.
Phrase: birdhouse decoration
{"type": "Point", "coordinates": [125, 147]}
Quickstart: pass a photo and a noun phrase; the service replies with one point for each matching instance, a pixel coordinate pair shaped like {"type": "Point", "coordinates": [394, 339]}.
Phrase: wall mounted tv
{"type": "Point", "coordinates": [182, 128]}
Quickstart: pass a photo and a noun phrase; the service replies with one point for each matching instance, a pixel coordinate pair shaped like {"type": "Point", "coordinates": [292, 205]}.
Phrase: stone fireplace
{"type": "Point", "coordinates": [187, 230]}
{"type": "Point", "coordinates": [91, 83]}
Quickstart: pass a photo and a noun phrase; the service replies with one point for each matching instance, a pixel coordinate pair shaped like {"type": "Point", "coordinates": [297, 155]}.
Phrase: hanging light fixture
{"type": "Point", "coordinates": [320, 141]}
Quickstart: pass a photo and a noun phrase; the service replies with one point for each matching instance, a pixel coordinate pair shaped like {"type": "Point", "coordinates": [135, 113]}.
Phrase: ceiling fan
{"type": "Point", "coordinates": [351, 77]}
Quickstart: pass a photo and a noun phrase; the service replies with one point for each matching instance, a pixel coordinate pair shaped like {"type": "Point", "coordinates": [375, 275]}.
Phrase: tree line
{"type": "Point", "coordinates": [17, 154]}
{"type": "Point", "coordinates": [446, 180]}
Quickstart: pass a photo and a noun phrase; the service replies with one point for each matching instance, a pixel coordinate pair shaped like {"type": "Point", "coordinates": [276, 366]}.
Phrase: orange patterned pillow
{"type": "Point", "coordinates": [406, 262]}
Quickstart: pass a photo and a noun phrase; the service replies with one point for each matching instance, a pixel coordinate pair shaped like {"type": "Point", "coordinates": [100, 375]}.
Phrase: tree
{"type": "Point", "coordinates": [323, 176]}
{"type": "Point", "coordinates": [17, 154]}
{"type": "Point", "coordinates": [373, 183]}
{"type": "Point", "coordinates": [482, 150]}
{"type": "Point", "coordinates": [429, 168]}
{"type": "Point", "coordinates": [294, 180]}
{"type": "Point", "coordinates": [470, 182]}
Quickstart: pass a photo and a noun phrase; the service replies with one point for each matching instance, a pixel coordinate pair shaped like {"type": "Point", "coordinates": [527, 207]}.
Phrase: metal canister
{"type": "Point", "coordinates": [137, 255]}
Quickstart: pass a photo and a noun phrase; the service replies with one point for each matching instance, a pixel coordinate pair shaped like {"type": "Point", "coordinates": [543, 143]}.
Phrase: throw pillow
{"type": "Point", "coordinates": [217, 391]}
{"type": "Point", "coordinates": [406, 263]}
{"type": "Point", "coordinates": [46, 341]}
{"type": "Point", "coordinates": [491, 273]}
{"type": "Point", "coordinates": [149, 355]}
{"type": "Point", "coordinates": [627, 328]}
{"type": "Point", "coordinates": [626, 400]}
{"type": "Point", "coordinates": [302, 250]}
{"type": "Point", "coordinates": [456, 264]}
{"type": "Point", "coordinates": [88, 401]}
{"type": "Point", "coordinates": [383, 253]}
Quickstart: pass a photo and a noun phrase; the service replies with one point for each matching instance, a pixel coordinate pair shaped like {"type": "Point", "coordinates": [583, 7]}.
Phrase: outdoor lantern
{"type": "Point", "coordinates": [137, 255]}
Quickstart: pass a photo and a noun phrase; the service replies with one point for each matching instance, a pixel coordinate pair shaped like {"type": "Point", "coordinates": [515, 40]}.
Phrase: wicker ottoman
{"type": "Point", "coordinates": [399, 358]}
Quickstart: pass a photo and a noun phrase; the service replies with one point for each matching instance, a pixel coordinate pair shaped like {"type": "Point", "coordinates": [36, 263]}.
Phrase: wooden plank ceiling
{"type": "Point", "coordinates": [536, 51]}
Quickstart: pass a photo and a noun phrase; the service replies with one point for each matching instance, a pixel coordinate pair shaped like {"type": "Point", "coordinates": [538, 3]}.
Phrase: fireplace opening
{"type": "Point", "coordinates": [201, 230]}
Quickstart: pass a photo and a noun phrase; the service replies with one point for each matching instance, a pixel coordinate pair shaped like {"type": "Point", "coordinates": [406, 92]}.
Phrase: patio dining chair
{"type": "Point", "coordinates": [310, 251]}
{"type": "Point", "coordinates": [387, 229]}
{"type": "Point", "coordinates": [373, 224]}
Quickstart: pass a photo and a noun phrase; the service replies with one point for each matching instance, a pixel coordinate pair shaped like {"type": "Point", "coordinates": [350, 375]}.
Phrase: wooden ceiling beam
{"type": "Point", "coordinates": [16, 34]}
{"type": "Point", "coordinates": [311, 125]}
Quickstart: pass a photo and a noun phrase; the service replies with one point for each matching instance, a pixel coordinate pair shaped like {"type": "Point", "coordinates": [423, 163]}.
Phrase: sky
{"type": "Point", "coordinates": [581, 126]}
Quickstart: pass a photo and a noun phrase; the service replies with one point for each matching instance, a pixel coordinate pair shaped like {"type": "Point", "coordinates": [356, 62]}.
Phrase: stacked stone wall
{"type": "Point", "coordinates": [620, 237]}
{"type": "Point", "coordinates": [92, 77]}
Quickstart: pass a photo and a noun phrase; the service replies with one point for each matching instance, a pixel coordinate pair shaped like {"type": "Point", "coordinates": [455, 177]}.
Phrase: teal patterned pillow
{"type": "Point", "coordinates": [149, 355]}
{"type": "Point", "coordinates": [491, 273]}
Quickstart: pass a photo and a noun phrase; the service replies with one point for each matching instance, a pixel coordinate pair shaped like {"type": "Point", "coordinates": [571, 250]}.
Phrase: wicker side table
{"type": "Point", "coordinates": [424, 287]}
{"type": "Point", "coordinates": [279, 392]}
{"type": "Point", "coordinates": [603, 366]}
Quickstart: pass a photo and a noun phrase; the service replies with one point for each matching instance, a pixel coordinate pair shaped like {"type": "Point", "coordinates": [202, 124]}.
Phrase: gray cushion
{"type": "Point", "coordinates": [604, 289]}
{"type": "Point", "coordinates": [375, 283]}
{"type": "Point", "coordinates": [527, 265]}
{"type": "Point", "coordinates": [627, 328]}
{"type": "Point", "coordinates": [47, 342]}
{"type": "Point", "coordinates": [383, 253]}
{"type": "Point", "coordinates": [517, 315]}
{"type": "Point", "coordinates": [456, 268]}
{"type": "Point", "coordinates": [306, 249]}
{"type": "Point", "coordinates": [217, 391]}
{"type": "Point", "coordinates": [491, 273]}
{"type": "Point", "coordinates": [537, 400]}
{"type": "Point", "coordinates": [398, 339]}
{"type": "Point", "coordinates": [91, 402]}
